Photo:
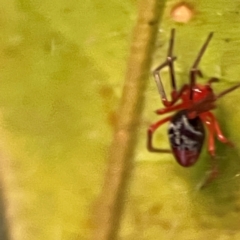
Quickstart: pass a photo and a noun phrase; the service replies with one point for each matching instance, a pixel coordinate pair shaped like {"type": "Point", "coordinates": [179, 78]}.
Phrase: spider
{"type": "Point", "coordinates": [186, 131]}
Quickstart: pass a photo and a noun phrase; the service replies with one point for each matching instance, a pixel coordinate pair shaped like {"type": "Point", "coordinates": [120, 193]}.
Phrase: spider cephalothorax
{"type": "Point", "coordinates": [193, 103]}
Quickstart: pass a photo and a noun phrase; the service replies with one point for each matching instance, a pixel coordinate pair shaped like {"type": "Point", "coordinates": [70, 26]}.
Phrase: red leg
{"type": "Point", "coordinates": [151, 130]}
{"type": "Point", "coordinates": [213, 127]}
{"type": "Point", "coordinates": [175, 96]}
{"type": "Point", "coordinates": [170, 109]}
{"type": "Point", "coordinates": [210, 125]}
{"type": "Point", "coordinates": [211, 149]}
{"type": "Point", "coordinates": [219, 134]}
{"type": "Point", "coordinates": [202, 106]}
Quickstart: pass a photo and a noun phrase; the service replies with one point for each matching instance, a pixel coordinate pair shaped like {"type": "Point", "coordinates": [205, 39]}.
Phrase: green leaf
{"type": "Point", "coordinates": [62, 65]}
{"type": "Point", "coordinates": [62, 69]}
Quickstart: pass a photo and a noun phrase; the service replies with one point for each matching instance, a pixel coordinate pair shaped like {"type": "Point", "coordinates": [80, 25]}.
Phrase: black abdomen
{"type": "Point", "coordinates": [186, 138]}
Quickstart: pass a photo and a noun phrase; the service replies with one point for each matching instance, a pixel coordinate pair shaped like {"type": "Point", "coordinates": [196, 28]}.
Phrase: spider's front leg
{"type": "Point", "coordinates": [171, 107]}
{"type": "Point", "coordinates": [151, 131]}
{"type": "Point", "coordinates": [194, 70]}
{"type": "Point", "coordinates": [168, 63]}
{"type": "Point", "coordinates": [159, 83]}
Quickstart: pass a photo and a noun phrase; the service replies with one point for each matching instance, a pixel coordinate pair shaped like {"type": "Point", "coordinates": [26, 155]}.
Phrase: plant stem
{"type": "Point", "coordinates": [110, 203]}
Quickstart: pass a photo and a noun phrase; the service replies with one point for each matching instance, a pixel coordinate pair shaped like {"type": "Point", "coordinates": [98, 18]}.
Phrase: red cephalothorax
{"type": "Point", "coordinates": [193, 104]}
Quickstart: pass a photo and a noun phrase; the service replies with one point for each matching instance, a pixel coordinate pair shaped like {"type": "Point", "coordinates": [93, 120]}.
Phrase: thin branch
{"type": "Point", "coordinates": [109, 207]}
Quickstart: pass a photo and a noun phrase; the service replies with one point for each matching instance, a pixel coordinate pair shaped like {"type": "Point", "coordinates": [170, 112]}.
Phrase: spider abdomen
{"type": "Point", "coordinates": [186, 138]}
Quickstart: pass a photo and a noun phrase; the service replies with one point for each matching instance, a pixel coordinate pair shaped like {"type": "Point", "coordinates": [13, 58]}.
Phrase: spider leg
{"type": "Point", "coordinates": [175, 98]}
{"type": "Point", "coordinates": [212, 174]}
{"type": "Point", "coordinates": [169, 58]}
{"type": "Point", "coordinates": [208, 103]}
{"type": "Point", "coordinates": [194, 70]}
{"type": "Point", "coordinates": [214, 128]}
{"type": "Point", "coordinates": [210, 125]}
{"type": "Point", "coordinates": [177, 95]}
{"type": "Point", "coordinates": [170, 109]}
{"type": "Point", "coordinates": [202, 106]}
{"type": "Point", "coordinates": [151, 130]}
{"type": "Point", "coordinates": [219, 134]}
{"type": "Point", "coordinates": [228, 91]}
{"type": "Point", "coordinates": [213, 80]}
{"type": "Point", "coordinates": [168, 62]}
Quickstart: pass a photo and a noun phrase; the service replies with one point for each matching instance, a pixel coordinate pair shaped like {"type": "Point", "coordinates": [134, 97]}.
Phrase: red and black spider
{"type": "Point", "coordinates": [186, 130]}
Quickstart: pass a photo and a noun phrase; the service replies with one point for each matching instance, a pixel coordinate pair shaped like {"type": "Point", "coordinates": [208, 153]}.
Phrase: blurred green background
{"type": "Point", "coordinates": [62, 65]}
